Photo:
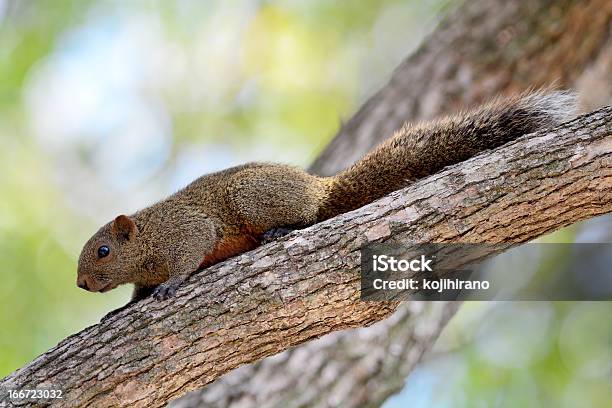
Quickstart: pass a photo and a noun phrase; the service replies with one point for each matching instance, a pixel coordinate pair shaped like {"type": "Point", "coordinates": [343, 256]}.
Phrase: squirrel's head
{"type": "Point", "coordinates": [108, 258]}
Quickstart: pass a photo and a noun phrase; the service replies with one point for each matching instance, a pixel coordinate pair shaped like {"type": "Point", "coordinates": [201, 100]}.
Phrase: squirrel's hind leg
{"type": "Point", "coordinates": [275, 233]}
{"type": "Point", "coordinates": [168, 288]}
{"type": "Point", "coordinates": [274, 196]}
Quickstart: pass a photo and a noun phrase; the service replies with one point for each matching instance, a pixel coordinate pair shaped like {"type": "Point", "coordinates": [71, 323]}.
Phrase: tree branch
{"type": "Point", "coordinates": [349, 368]}
{"type": "Point", "coordinates": [483, 48]}
{"type": "Point", "coordinates": [307, 284]}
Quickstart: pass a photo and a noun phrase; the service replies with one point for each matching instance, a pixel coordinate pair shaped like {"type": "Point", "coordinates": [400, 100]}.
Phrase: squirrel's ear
{"type": "Point", "coordinates": [124, 227]}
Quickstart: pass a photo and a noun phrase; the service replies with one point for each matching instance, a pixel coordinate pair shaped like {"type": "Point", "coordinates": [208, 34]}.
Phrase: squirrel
{"type": "Point", "coordinates": [223, 214]}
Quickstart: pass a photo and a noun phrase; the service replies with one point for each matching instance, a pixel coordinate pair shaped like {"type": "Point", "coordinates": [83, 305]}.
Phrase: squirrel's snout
{"type": "Point", "coordinates": [82, 283]}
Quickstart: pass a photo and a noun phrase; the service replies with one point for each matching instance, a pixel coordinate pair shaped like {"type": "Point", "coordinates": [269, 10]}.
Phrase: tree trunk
{"type": "Point", "coordinates": [307, 284]}
{"type": "Point", "coordinates": [482, 49]}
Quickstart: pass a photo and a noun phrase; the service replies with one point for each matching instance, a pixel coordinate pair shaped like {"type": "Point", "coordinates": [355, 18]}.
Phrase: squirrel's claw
{"type": "Point", "coordinates": [274, 234]}
{"type": "Point", "coordinates": [165, 290]}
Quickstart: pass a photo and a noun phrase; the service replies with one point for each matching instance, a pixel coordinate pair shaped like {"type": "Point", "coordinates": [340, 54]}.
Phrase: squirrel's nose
{"type": "Point", "coordinates": [82, 283]}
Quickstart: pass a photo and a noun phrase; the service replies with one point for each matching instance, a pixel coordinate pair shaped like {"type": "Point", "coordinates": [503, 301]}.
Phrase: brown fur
{"type": "Point", "coordinates": [226, 213]}
{"type": "Point", "coordinates": [229, 247]}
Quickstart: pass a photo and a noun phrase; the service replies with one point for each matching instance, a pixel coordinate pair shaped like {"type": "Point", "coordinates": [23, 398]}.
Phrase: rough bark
{"type": "Point", "coordinates": [351, 368]}
{"type": "Point", "coordinates": [483, 48]}
{"type": "Point", "coordinates": [307, 284]}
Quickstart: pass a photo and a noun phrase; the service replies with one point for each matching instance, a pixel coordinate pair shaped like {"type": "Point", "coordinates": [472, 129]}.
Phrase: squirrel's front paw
{"type": "Point", "coordinates": [165, 290]}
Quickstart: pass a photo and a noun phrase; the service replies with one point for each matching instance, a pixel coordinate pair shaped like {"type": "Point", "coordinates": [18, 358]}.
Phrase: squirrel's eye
{"type": "Point", "coordinates": [103, 251]}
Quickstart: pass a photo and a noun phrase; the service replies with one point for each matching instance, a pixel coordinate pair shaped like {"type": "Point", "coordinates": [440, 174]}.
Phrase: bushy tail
{"type": "Point", "coordinates": [416, 151]}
